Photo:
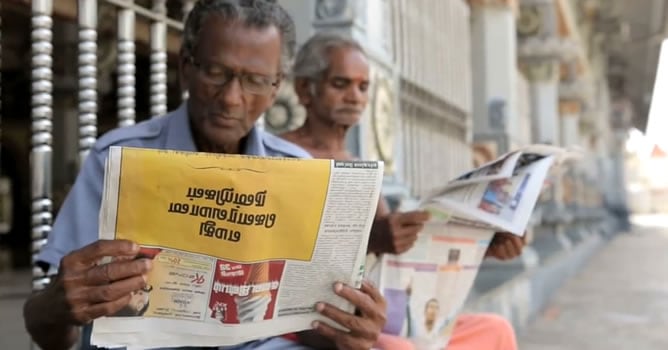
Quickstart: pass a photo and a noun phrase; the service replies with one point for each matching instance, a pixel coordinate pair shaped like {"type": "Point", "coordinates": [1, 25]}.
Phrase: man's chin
{"type": "Point", "coordinates": [223, 137]}
{"type": "Point", "coordinates": [347, 121]}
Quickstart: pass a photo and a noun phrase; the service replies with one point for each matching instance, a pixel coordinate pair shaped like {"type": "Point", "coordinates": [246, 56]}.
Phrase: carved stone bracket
{"type": "Point", "coordinates": [540, 69]}
{"type": "Point", "coordinates": [513, 4]}
{"type": "Point", "coordinates": [547, 47]}
{"type": "Point", "coordinates": [538, 34]}
{"type": "Point", "coordinates": [577, 89]}
{"type": "Point", "coordinates": [334, 12]}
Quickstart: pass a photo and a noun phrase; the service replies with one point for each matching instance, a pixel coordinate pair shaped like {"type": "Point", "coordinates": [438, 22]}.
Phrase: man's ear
{"type": "Point", "coordinates": [304, 90]}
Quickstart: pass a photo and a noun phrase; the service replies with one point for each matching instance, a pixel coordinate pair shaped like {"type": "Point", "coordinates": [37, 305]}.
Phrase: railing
{"type": "Point", "coordinates": [435, 90]}
{"type": "Point", "coordinates": [128, 12]}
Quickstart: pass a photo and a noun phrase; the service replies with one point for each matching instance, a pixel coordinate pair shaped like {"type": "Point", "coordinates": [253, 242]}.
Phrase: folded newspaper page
{"type": "Point", "coordinates": [427, 286]}
{"type": "Point", "coordinates": [501, 194]}
{"type": "Point", "coordinates": [242, 247]}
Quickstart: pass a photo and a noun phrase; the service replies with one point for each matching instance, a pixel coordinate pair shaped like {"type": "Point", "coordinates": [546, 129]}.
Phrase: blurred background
{"type": "Point", "coordinates": [456, 83]}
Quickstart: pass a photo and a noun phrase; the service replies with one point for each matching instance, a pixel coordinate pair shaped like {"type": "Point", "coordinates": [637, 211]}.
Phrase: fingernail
{"type": "Point", "coordinates": [135, 247]}
{"type": "Point", "coordinates": [148, 264]}
{"type": "Point", "coordinates": [338, 286]}
{"type": "Point", "coordinates": [315, 324]}
{"type": "Point", "coordinates": [319, 307]}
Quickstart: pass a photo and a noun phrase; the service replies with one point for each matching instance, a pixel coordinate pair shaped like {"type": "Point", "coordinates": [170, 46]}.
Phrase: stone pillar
{"type": "Point", "coordinates": [569, 119]}
{"type": "Point", "coordinates": [575, 92]}
{"type": "Point", "coordinates": [544, 94]}
{"type": "Point", "coordinates": [541, 51]}
{"type": "Point", "coordinates": [494, 55]}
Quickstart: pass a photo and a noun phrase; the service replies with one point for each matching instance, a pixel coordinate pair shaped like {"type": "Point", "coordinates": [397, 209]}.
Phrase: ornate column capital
{"type": "Point", "coordinates": [543, 69]}
{"type": "Point", "coordinates": [513, 4]}
{"type": "Point", "coordinates": [538, 32]}
{"type": "Point", "coordinates": [577, 89]}
{"type": "Point", "coordinates": [336, 13]}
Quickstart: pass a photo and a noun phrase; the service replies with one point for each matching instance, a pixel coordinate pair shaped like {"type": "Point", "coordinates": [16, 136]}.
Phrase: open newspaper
{"type": "Point", "coordinates": [427, 286]}
{"type": "Point", "coordinates": [242, 247]}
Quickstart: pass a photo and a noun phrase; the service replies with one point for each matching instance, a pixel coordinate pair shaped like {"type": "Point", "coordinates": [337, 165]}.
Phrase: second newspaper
{"type": "Point", "coordinates": [242, 247]}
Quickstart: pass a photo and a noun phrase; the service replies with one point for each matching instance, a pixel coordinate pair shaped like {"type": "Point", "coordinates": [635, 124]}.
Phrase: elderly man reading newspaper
{"type": "Point", "coordinates": [233, 56]}
{"type": "Point", "coordinates": [332, 81]}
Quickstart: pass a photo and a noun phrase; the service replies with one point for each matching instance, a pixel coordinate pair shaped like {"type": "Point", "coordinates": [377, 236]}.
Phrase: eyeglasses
{"type": "Point", "coordinates": [219, 75]}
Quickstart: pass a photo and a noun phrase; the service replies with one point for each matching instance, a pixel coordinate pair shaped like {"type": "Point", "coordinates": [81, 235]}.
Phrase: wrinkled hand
{"type": "Point", "coordinates": [364, 326]}
{"type": "Point", "coordinates": [396, 233]}
{"type": "Point", "coordinates": [505, 246]}
{"type": "Point", "coordinates": [84, 291]}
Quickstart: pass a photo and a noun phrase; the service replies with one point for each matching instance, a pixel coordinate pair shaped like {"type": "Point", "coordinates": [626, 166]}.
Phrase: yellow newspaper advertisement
{"type": "Point", "coordinates": [242, 247]}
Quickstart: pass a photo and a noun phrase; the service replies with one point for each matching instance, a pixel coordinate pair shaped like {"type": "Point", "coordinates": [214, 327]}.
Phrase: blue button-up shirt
{"type": "Point", "coordinates": [77, 223]}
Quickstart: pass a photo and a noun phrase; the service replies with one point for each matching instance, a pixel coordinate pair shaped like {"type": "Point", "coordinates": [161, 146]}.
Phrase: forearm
{"type": "Point", "coordinates": [380, 240]}
{"type": "Point", "coordinates": [47, 330]}
{"type": "Point", "coordinates": [314, 340]}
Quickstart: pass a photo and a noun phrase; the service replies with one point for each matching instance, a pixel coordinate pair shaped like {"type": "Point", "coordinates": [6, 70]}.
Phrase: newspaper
{"type": "Point", "coordinates": [242, 247]}
{"type": "Point", "coordinates": [427, 286]}
{"type": "Point", "coordinates": [499, 195]}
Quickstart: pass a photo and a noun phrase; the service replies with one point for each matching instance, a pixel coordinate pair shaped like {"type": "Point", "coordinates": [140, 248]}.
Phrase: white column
{"type": "Point", "coordinates": [544, 92]}
{"type": "Point", "coordinates": [569, 122]}
{"type": "Point", "coordinates": [494, 55]}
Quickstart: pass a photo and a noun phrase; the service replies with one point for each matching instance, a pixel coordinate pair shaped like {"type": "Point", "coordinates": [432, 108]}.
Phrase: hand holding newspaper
{"type": "Point", "coordinates": [242, 247]}
{"type": "Point", "coordinates": [427, 286]}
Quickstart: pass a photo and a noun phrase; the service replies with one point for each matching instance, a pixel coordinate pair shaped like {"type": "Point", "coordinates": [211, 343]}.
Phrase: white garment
{"type": "Point", "coordinates": [252, 308]}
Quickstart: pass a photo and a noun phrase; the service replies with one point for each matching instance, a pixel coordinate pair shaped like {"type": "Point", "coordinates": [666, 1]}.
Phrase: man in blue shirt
{"type": "Point", "coordinates": [233, 57]}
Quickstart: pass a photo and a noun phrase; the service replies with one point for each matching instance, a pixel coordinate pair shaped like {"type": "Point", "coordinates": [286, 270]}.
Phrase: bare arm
{"type": "Point", "coordinates": [394, 233]}
{"type": "Point", "coordinates": [48, 328]}
{"type": "Point", "coordinates": [315, 340]}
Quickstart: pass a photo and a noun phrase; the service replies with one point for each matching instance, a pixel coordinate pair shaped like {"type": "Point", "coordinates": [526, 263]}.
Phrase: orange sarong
{"type": "Point", "coordinates": [471, 332]}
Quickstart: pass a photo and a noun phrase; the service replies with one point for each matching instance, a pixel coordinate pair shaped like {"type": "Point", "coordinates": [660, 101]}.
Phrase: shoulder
{"type": "Point", "coordinates": [135, 135]}
{"type": "Point", "coordinates": [279, 147]}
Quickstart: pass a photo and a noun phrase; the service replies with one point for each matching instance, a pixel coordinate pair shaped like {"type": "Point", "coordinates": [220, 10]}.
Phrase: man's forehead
{"type": "Point", "coordinates": [348, 61]}
{"type": "Point", "coordinates": [239, 43]}
{"type": "Point", "coordinates": [217, 30]}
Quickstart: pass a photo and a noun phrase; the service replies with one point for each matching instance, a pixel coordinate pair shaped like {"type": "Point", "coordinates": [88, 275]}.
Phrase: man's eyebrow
{"type": "Point", "coordinates": [338, 77]}
{"type": "Point", "coordinates": [349, 80]}
{"type": "Point", "coordinates": [247, 70]}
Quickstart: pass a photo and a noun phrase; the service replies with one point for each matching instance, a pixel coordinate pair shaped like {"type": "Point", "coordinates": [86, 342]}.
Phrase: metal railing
{"type": "Point", "coordinates": [41, 156]}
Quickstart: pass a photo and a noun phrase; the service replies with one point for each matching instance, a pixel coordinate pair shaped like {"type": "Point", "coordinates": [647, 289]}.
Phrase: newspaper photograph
{"type": "Point", "coordinates": [426, 287]}
{"type": "Point", "coordinates": [242, 247]}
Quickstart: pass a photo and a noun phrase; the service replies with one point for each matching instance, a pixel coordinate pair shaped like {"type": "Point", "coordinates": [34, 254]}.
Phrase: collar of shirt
{"type": "Point", "coordinates": [179, 135]}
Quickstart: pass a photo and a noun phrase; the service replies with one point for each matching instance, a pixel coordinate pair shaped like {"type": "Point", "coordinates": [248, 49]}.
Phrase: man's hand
{"type": "Point", "coordinates": [84, 290]}
{"type": "Point", "coordinates": [397, 232]}
{"type": "Point", "coordinates": [505, 246]}
{"type": "Point", "coordinates": [365, 326]}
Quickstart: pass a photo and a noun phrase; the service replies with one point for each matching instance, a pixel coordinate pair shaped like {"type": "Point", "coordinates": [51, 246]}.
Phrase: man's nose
{"type": "Point", "coordinates": [232, 93]}
{"type": "Point", "coordinates": [355, 95]}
